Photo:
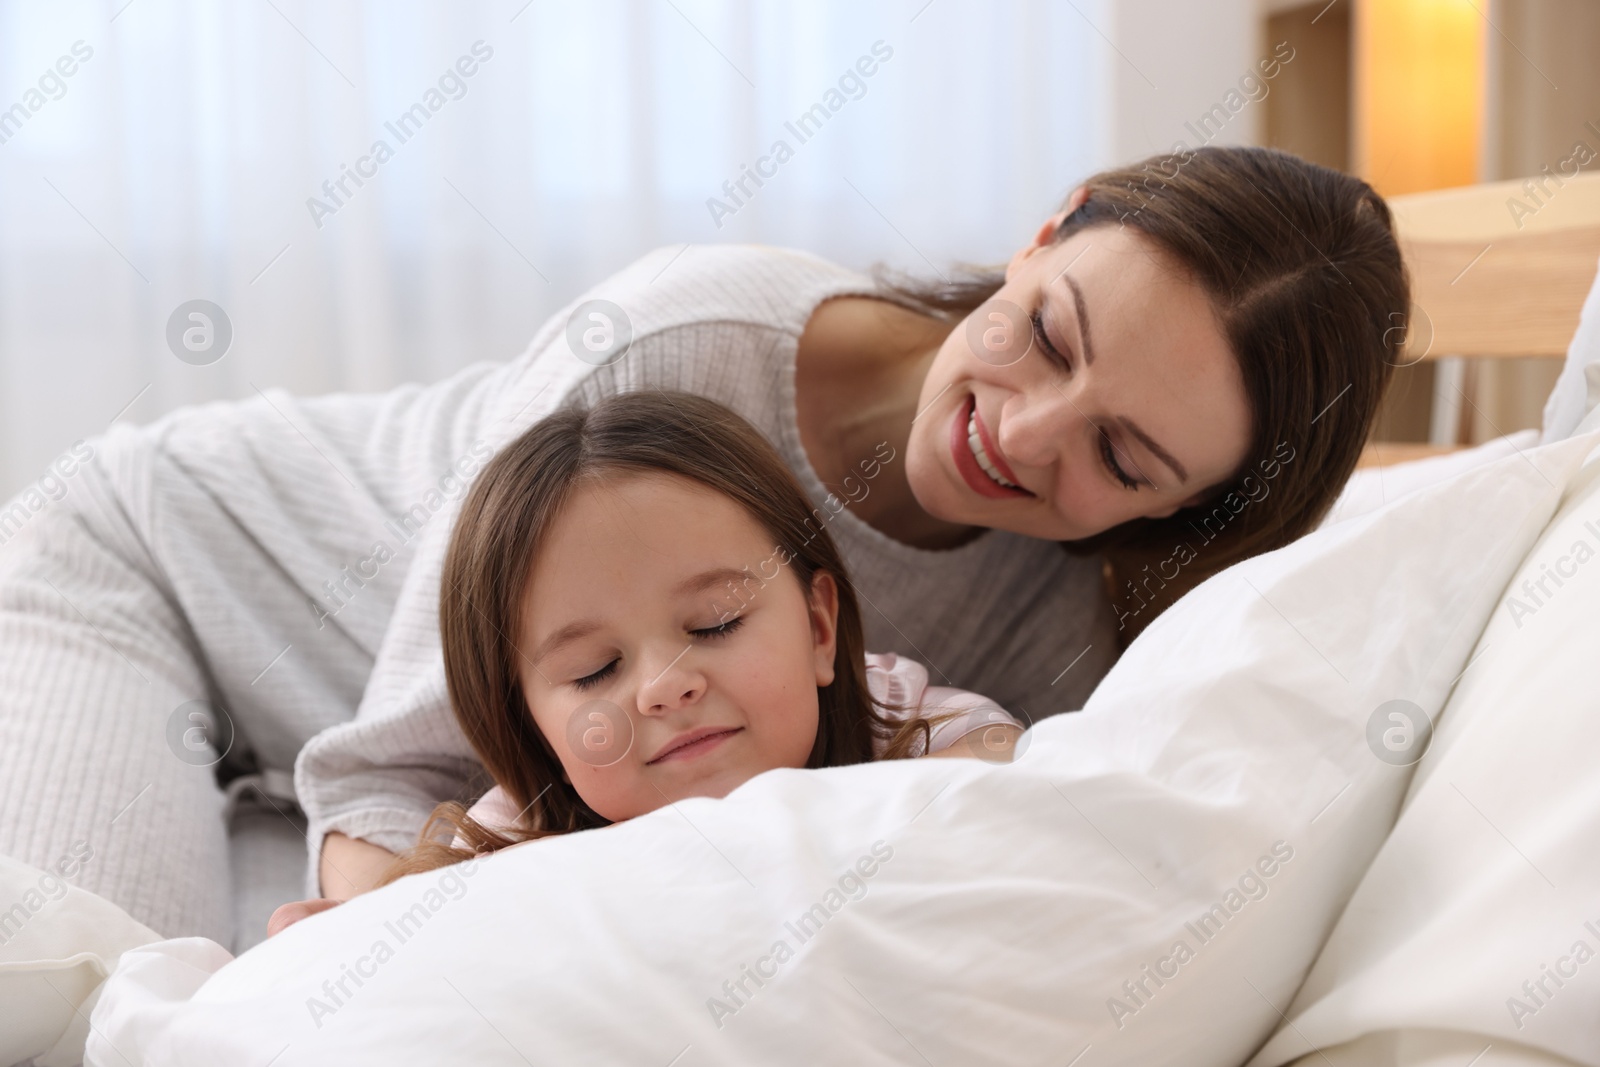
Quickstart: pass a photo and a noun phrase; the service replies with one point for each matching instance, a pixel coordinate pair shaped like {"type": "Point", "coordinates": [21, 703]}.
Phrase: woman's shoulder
{"type": "Point", "coordinates": [759, 285]}
{"type": "Point", "coordinates": [719, 320]}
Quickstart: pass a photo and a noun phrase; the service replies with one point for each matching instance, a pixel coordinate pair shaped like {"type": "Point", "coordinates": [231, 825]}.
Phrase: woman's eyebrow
{"type": "Point", "coordinates": [1083, 318]}
{"type": "Point", "coordinates": [1155, 449]}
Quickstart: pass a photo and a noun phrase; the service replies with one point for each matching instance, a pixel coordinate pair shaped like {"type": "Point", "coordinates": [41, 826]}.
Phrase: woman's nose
{"type": "Point", "coordinates": [1034, 425]}
{"type": "Point", "coordinates": [674, 684]}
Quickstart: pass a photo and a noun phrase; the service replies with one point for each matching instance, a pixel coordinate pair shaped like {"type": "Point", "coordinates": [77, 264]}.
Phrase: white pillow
{"type": "Point", "coordinates": [1370, 488]}
{"type": "Point", "coordinates": [1492, 875]}
{"type": "Point", "coordinates": [57, 944]}
{"type": "Point", "coordinates": [1430, 1048]}
{"type": "Point", "coordinates": [1569, 398]}
{"type": "Point", "coordinates": [1218, 791]}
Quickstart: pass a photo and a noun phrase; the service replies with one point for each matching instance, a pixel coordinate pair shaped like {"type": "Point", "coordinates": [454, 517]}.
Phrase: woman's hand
{"type": "Point", "coordinates": [290, 914]}
{"type": "Point", "coordinates": [351, 866]}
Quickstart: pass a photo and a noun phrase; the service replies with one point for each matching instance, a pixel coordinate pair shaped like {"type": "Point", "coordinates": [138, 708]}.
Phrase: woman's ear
{"type": "Point", "coordinates": [824, 624]}
{"type": "Point", "coordinates": [1047, 233]}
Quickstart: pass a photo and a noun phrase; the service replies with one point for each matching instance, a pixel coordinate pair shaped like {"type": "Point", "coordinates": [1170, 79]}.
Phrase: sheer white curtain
{"type": "Point", "coordinates": [178, 159]}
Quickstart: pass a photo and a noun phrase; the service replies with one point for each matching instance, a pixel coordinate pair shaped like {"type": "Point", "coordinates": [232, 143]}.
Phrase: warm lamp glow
{"type": "Point", "coordinates": [1418, 92]}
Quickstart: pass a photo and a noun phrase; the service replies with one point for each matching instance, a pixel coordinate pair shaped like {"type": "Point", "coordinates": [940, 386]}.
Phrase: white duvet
{"type": "Point", "coordinates": [1149, 883]}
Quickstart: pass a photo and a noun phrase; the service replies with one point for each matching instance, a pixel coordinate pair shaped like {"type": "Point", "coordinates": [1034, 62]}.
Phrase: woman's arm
{"type": "Point", "coordinates": [379, 776]}
{"type": "Point", "coordinates": [351, 866]}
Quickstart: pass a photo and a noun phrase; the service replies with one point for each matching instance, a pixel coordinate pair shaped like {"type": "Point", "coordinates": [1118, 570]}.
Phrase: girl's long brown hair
{"type": "Point", "coordinates": [487, 570]}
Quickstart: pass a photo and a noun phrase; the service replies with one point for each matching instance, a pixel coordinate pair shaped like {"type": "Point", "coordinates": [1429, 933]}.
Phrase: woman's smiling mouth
{"type": "Point", "coordinates": [977, 460]}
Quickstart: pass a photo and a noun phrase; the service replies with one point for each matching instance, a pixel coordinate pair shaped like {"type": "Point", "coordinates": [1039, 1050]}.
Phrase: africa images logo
{"type": "Point", "coordinates": [1251, 886]}
{"type": "Point", "coordinates": [1536, 590]}
{"type": "Point", "coordinates": [452, 85]}
{"type": "Point", "coordinates": [851, 85]}
{"type": "Point", "coordinates": [738, 991]}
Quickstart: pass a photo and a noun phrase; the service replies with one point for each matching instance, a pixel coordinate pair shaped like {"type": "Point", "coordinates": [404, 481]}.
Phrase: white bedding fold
{"type": "Point", "coordinates": [1219, 792]}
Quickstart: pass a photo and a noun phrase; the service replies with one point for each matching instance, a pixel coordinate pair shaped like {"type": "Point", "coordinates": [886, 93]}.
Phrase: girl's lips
{"type": "Point", "coordinates": [695, 743]}
{"type": "Point", "coordinates": [967, 464]}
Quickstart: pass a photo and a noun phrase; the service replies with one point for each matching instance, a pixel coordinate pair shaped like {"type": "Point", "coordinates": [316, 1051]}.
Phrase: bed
{"type": "Point", "coordinates": [1226, 789]}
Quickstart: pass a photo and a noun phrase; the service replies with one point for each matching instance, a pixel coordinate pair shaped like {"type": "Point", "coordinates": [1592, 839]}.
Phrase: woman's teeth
{"type": "Point", "coordinates": [975, 442]}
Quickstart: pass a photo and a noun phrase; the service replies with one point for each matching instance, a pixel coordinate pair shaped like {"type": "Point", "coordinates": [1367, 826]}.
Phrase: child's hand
{"type": "Point", "coordinates": [290, 914]}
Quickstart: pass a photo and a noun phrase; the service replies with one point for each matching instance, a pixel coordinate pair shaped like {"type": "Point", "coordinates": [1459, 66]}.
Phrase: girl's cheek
{"type": "Point", "coordinates": [593, 735]}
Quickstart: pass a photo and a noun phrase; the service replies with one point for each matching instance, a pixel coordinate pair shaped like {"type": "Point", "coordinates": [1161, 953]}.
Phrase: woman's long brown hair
{"type": "Point", "coordinates": [487, 569]}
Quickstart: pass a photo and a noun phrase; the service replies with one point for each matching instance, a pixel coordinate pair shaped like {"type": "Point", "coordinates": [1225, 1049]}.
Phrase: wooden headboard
{"type": "Point", "coordinates": [1498, 271]}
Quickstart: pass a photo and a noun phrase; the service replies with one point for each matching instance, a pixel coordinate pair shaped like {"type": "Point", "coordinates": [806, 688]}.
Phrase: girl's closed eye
{"type": "Point", "coordinates": [721, 630]}
{"type": "Point", "coordinates": [594, 678]}
{"type": "Point", "coordinates": [589, 681]}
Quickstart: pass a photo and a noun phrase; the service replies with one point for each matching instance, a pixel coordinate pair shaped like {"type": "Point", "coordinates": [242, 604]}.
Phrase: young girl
{"type": "Point", "coordinates": [639, 605]}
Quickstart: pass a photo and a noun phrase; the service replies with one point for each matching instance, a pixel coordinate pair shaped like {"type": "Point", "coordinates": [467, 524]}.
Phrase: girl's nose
{"type": "Point", "coordinates": [675, 684]}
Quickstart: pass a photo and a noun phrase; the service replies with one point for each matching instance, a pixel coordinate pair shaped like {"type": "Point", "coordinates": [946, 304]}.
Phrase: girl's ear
{"type": "Point", "coordinates": [824, 624]}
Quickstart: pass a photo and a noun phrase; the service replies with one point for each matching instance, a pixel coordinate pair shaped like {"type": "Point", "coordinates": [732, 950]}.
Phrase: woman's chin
{"type": "Point", "coordinates": [935, 491]}
{"type": "Point", "coordinates": [943, 496]}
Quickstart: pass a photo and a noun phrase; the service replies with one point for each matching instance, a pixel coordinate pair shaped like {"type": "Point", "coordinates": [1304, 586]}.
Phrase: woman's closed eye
{"type": "Point", "coordinates": [1042, 338]}
{"type": "Point", "coordinates": [1108, 452]}
{"type": "Point", "coordinates": [1109, 458]}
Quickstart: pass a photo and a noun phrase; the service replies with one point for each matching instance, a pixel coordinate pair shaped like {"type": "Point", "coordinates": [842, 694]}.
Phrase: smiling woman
{"type": "Point", "coordinates": [1120, 340]}
{"type": "Point", "coordinates": [1183, 330]}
